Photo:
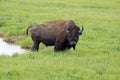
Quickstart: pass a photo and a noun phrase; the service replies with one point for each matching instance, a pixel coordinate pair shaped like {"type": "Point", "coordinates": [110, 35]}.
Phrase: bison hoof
{"type": "Point", "coordinates": [33, 49]}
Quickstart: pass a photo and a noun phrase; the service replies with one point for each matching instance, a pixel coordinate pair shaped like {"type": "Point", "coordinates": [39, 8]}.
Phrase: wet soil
{"type": "Point", "coordinates": [11, 39]}
{"type": "Point", "coordinates": [9, 49]}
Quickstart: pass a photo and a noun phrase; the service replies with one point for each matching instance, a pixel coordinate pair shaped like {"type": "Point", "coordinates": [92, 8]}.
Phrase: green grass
{"type": "Point", "coordinates": [97, 55]}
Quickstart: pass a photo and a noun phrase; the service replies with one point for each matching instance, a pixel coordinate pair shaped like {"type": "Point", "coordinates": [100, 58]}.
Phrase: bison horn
{"type": "Point", "coordinates": [82, 29]}
{"type": "Point", "coordinates": [80, 32]}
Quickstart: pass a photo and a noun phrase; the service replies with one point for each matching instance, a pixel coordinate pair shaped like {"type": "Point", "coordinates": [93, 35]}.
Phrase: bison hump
{"type": "Point", "coordinates": [59, 24]}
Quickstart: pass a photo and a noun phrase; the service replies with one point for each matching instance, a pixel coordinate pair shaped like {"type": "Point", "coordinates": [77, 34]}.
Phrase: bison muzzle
{"type": "Point", "coordinates": [62, 34]}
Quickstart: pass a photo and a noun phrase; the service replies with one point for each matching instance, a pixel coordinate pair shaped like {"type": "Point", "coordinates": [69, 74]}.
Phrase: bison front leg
{"type": "Point", "coordinates": [60, 44]}
{"type": "Point", "coordinates": [57, 47]}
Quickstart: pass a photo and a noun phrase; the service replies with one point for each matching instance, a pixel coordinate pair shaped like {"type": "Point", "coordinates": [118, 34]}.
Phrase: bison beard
{"type": "Point", "coordinates": [63, 34]}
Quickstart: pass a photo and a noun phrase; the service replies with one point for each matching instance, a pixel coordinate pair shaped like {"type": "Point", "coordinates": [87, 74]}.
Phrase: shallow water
{"type": "Point", "coordinates": [9, 49]}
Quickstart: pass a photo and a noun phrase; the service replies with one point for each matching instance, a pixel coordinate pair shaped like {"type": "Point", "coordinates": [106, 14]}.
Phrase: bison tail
{"type": "Point", "coordinates": [26, 33]}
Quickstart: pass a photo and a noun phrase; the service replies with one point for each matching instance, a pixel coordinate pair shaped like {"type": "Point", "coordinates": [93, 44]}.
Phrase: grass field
{"type": "Point", "coordinates": [97, 55]}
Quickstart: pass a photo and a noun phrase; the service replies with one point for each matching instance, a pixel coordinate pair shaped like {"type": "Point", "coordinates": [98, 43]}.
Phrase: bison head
{"type": "Point", "coordinates": [73, 35]}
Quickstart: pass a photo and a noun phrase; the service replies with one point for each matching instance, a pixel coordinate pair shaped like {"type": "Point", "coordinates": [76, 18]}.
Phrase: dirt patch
{"type": "Point", "coordinates": [28, 47]}
{"type": "Point", "coordinates": [1, 35]}
{"type": "Point", "coordinates": [11, 39]}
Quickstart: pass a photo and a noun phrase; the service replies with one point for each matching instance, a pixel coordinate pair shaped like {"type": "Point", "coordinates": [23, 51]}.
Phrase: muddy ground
{"type": "Point", "coordinates": [12, 40]}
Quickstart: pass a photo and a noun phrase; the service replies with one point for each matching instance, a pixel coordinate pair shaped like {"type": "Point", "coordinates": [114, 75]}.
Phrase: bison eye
{"type": "Point", "coordinates": [67, 31]}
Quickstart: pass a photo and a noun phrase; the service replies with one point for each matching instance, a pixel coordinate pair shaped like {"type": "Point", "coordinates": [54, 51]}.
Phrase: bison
{"type": "Point", "coordinates": [62, 34]}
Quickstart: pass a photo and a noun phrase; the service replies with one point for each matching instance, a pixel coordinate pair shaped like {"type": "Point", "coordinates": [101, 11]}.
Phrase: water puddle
{"type": "Point", "coordinates": [9, 49]}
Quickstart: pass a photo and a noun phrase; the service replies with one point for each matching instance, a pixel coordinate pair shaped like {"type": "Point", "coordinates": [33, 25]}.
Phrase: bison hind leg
{"type": "Point", "coordinates": [35, 46]}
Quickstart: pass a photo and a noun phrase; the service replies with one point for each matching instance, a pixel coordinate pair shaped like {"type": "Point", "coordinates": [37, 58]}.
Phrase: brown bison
{"type": "Point", "coordinates": [63, 34]}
